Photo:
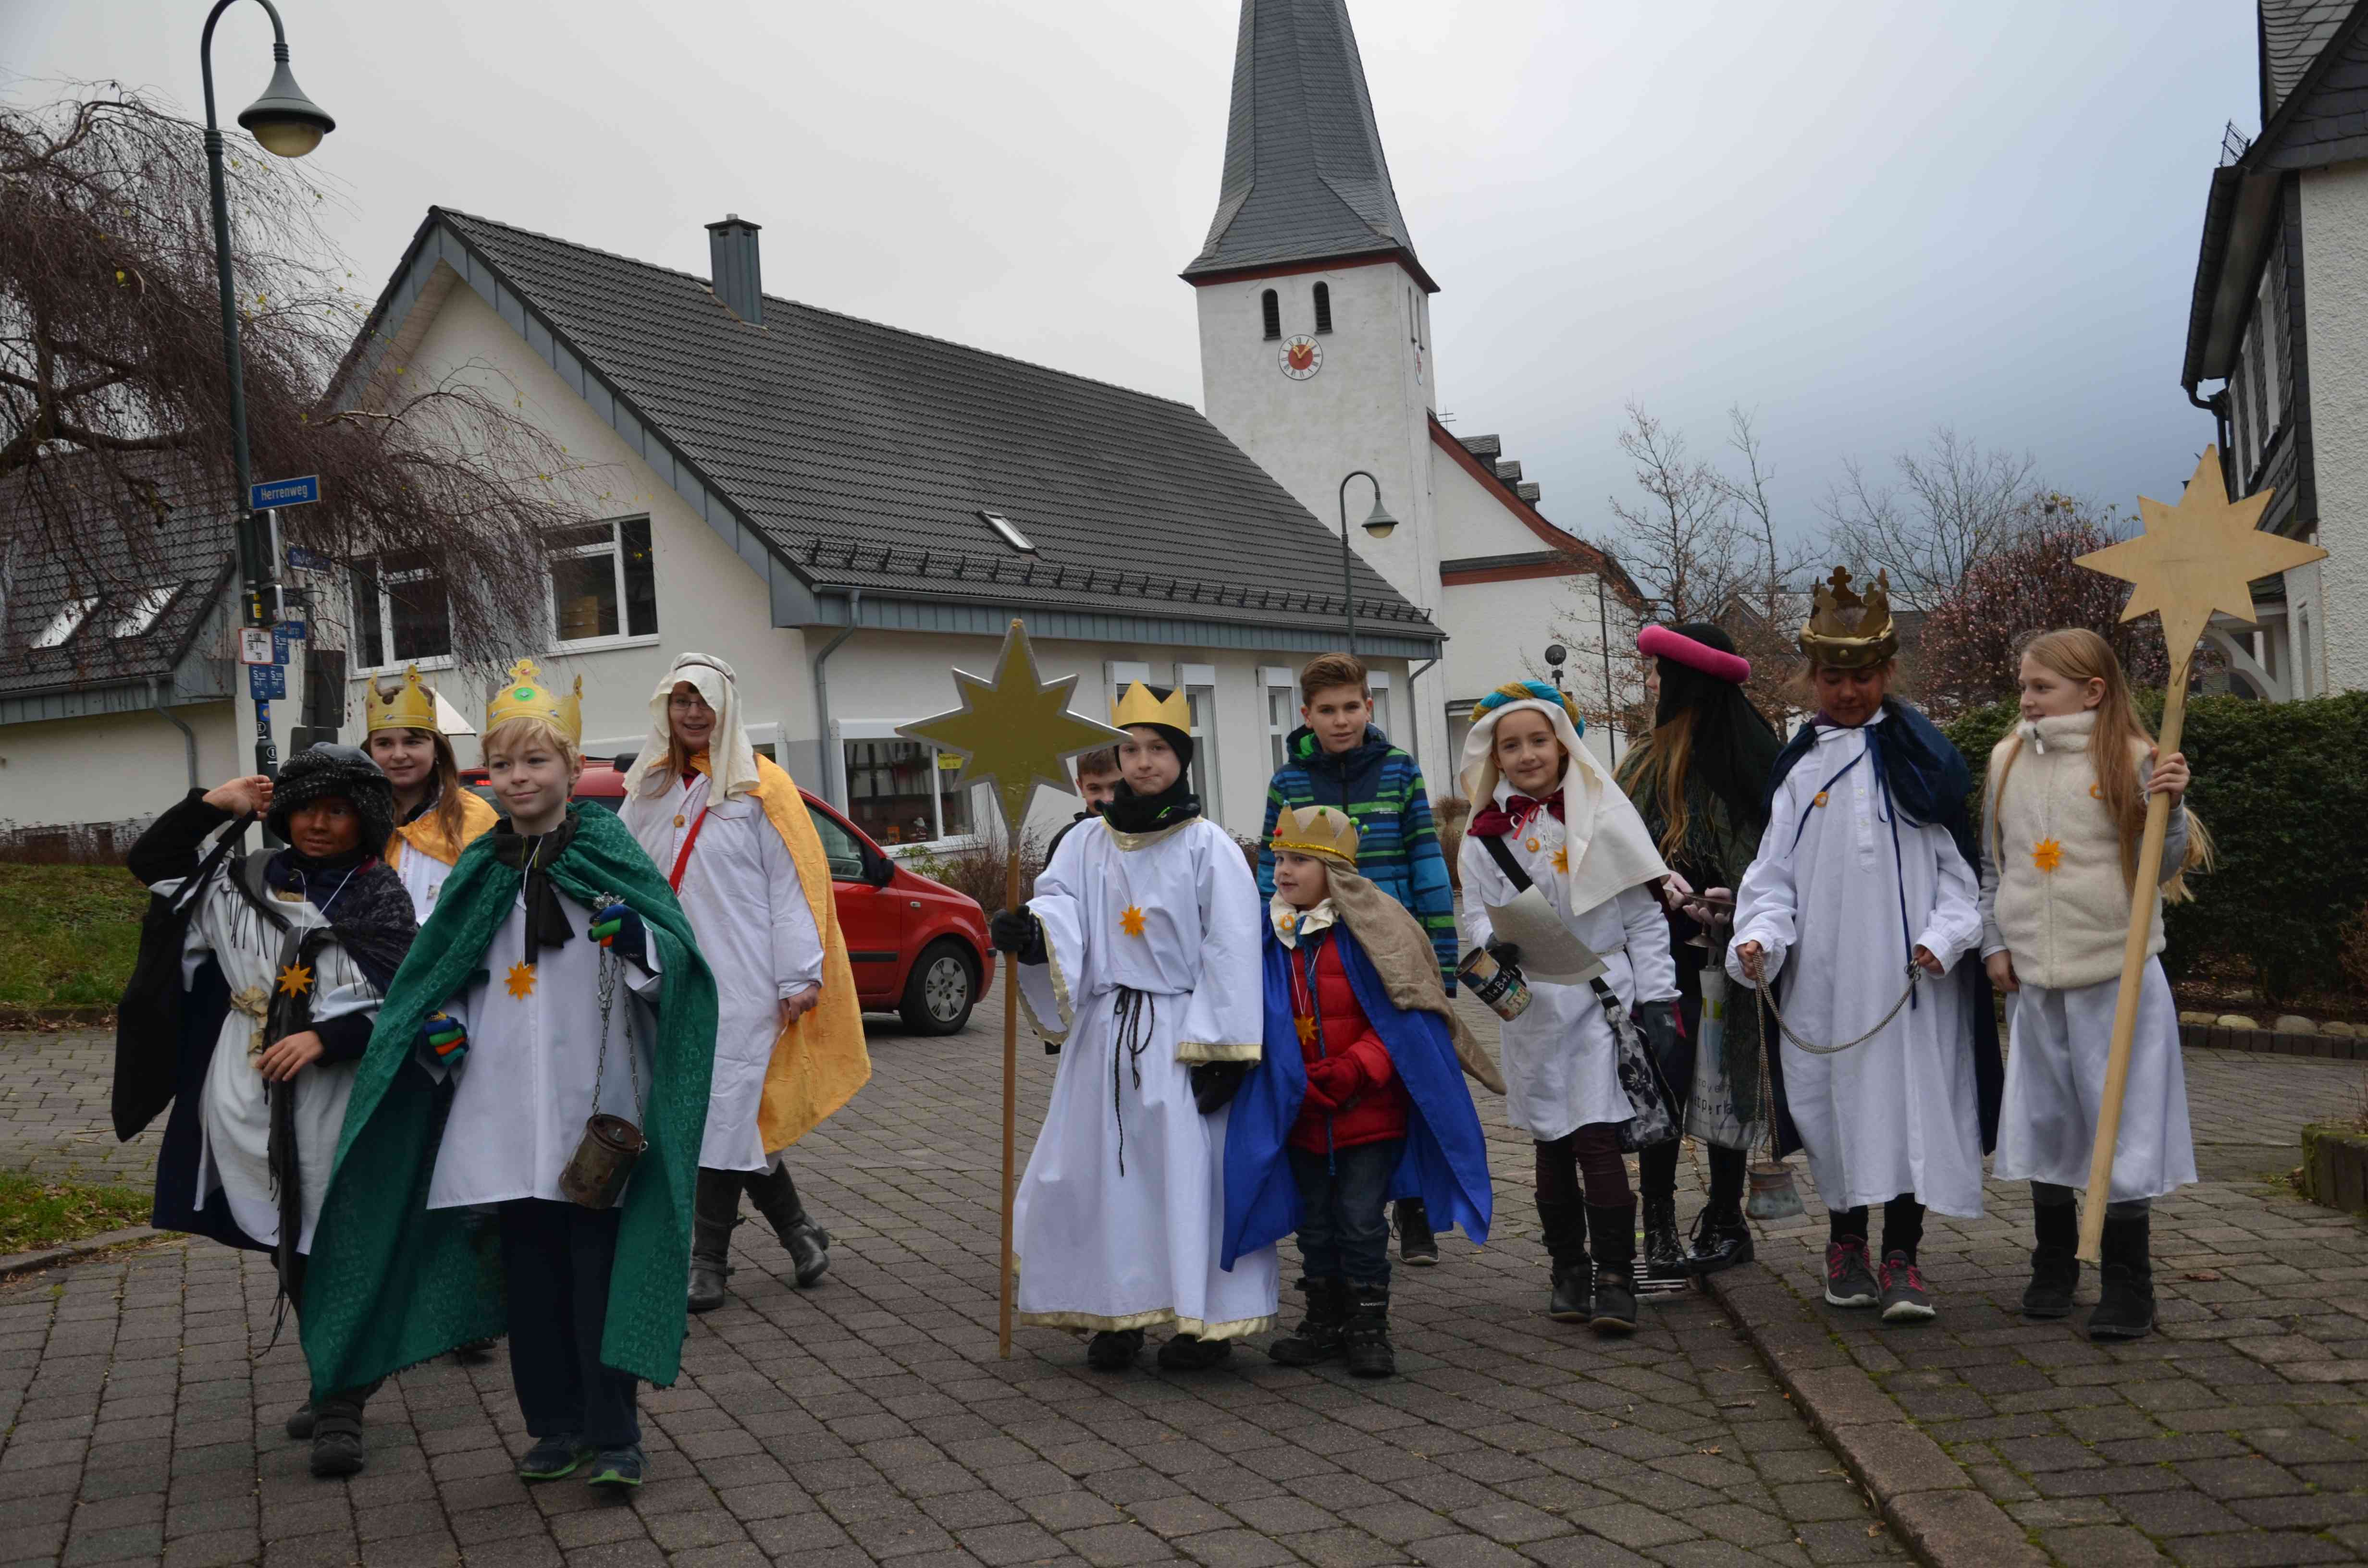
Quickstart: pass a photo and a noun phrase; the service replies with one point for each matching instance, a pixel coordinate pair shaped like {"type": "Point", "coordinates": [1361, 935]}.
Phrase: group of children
{"type": "Point", "coordinates": [470, 1074]}
{"type": "Point", "coordinates": [1817, 900]}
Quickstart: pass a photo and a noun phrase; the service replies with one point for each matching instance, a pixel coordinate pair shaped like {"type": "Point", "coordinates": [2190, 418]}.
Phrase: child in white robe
{"type": "Point", "coordinates": [2059, 840]}
{"type": "Point", "coordinates": [1858, 880]}
{"type": "Point", "coordinates": [1140, 954]}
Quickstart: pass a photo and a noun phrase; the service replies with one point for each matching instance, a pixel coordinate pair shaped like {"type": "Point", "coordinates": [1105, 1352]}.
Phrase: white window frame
{"type": "Point", "coordinates": [384, 614]}
{"type": "Point", "coordinates": [67, 622]}
{"type": "Point", "coordinates": [143, 612]}
{"type": "Point", "coordinates": [1199, 685]}
{"type": "Point", "coordinates": [1119, 674]}
{"type": "Point", "coordinates": [1377, 687]}
{"type": "Point", "coordinates": [845, 729]}
{"type": "Point", "coordinates": [1272, 677]}
{"type": "Point", "coordinates": [614, 547]}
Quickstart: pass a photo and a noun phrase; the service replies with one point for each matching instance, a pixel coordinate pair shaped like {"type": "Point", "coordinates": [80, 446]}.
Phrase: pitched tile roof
{"type": "Point", "coordinates": [2293, 34]}
{"type": "Point", "coordinates": [864, 454]}
{"type": "Point", "coordinates": [1304, 175]}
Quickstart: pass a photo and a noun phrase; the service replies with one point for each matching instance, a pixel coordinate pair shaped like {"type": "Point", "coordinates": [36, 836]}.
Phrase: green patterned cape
{"type": "Point", "coordinates": [391, 1282]}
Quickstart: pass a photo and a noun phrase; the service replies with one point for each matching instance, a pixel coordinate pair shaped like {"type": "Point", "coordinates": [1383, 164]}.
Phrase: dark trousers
{"type": "Point", "coordinates": [1584, 1166]}
{"type": "Point", "coordinates": [1344, 1230]}
{"type": "Point", "coordinates": [558, 1257]}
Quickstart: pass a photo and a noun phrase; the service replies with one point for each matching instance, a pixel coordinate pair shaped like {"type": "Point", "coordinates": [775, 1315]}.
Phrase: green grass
{"type": "Point", "coordinates": [68, 934]}
{"type": "Point", "coordinates": [37, 1213]}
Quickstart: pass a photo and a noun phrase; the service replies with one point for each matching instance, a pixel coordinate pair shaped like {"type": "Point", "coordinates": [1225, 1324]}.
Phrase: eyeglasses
{"type": "Point", "coordinates": [687, 705]}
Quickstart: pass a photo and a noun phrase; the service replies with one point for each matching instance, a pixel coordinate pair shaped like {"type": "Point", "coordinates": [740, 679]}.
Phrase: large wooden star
{"type": "Point", "coordinates": [2199, 556]}
{"type": "Point", "coordinates": [1014, 731]}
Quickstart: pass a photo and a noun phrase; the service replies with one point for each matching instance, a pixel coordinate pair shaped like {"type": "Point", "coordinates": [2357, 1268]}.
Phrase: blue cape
{"type": "Point", "coordinates": [1446, 1158]}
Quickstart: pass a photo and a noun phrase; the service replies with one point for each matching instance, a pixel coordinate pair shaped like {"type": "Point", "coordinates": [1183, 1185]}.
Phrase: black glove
{"type": "Point", "coordinates": [1215, 1083]}
{"type": "Point", "coordinates": [1506, 954]}
{"type": "Point", "coordinates": [1665, 1036]}
{"type": "Point", "coordinates": [1018, 933]}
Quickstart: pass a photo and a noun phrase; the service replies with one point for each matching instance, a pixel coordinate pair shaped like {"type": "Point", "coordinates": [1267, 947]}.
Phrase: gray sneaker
{"type": "Point", "coordinates": [1850, 1282]}
{"type": "Point", "coordinates": [1905, 1300]}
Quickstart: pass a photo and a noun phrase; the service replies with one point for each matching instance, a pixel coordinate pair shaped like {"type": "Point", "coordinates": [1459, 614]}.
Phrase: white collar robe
{"type": "Point", "coordinates": [741, 893]}
{"type": "Point", "coordinates": [1169, 931]}
{"type": "Point", "coordinates": [1899, 1113]}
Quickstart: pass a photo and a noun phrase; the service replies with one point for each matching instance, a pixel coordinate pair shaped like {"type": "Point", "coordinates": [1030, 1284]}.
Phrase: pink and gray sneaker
{"type": "Point", "coordinates": [1905, 1300]}
{"type": "Point", "coordinates": [1850, 1282]}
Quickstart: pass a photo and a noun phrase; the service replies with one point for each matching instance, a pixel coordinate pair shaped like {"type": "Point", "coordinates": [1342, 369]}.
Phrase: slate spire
{"type": "Point", "coordinates": [1305, 179]}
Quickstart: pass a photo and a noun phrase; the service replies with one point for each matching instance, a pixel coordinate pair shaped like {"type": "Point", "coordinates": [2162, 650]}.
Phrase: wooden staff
{"type": "Point", "coordinates": [1009, 1273]}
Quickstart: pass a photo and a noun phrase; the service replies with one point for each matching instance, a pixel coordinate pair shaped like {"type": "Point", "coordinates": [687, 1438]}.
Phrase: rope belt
{"type": "Point", "coordinates": [1137, 1013]}
{"type": "Point", "coordinates": [255, 1001]}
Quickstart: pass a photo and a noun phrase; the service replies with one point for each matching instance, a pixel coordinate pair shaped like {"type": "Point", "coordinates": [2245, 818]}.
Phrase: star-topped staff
{"type": "Point", "coordinates": [1014, 732]}
{"type": "Point", "coordinates": [2193, 558]}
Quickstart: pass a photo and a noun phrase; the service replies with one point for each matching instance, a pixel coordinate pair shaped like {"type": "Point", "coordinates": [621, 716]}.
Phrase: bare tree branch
{"type": "Point", "coordinates": [1953, 508]}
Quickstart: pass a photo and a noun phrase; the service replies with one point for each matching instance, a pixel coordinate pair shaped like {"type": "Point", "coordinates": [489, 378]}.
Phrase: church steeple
{"type": "Point", "coordinates": [1305, 180]}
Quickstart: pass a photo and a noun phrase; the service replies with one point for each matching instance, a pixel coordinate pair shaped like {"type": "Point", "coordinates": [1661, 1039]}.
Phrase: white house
{"type": "Point", "coordinates": [2277, 320]}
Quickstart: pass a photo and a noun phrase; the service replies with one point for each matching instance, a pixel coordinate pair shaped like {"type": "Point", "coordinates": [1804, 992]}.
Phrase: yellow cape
{"type": "Point", "coordinates": [427, 834]}
{"type": "Point", "coordinates": [820, 1061]}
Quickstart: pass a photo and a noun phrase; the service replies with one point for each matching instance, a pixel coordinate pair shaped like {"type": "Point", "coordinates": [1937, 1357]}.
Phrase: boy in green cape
{"type": "Point", "coordinates": [557, 945]}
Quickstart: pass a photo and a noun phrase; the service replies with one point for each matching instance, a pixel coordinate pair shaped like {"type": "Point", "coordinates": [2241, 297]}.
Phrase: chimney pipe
{"type": "Point", "coordinates": [732, 262]}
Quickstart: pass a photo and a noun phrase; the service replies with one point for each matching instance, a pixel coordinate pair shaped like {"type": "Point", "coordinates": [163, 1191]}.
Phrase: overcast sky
{"type": "Point", "coordinates": [1861, 220]}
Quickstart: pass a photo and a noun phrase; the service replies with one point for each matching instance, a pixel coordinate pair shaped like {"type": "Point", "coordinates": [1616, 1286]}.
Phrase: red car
{"type": "Point", "coordinates": [919, 948]}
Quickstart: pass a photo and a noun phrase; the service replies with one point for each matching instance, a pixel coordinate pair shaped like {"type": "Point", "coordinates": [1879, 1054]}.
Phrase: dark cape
{"type": "Point", "coordinates": [166, 1030]}
{"type": "Point", "coordinates": [1926, 781]}
{"type": "Point", "coordinates": [1446, 1158]}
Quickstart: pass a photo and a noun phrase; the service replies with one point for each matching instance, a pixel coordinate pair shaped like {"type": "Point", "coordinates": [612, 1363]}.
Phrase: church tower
{"type": "Point", "coordinates": [1314, 312]}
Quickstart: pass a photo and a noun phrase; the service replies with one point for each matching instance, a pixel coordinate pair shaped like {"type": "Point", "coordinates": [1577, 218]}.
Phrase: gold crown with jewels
{"type": "Point", "coordinates": [523, 696]}
{"type": "Point", "coordinates": [1139, 704]}
{"type": "Point", "coordinates": [413, 706]}
{"type": "Point", "coordinates": [1830, 639]}
{"type": "Point", "coordinates": [1319, 831]}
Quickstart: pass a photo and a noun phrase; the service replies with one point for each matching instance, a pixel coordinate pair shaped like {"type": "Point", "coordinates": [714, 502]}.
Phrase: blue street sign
{"type": "Point", "coordinates": [284, 637]}
{"type": "Point", "coordinates": [283, 492]}
{"type": "Point", "coordinates": [267, 681]}
{"type": "Point", "coordinates": [302, 560]}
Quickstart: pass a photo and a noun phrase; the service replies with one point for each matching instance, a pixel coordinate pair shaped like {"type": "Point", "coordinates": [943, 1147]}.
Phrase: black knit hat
{"type": "Point", "coordinates": [327, 770]}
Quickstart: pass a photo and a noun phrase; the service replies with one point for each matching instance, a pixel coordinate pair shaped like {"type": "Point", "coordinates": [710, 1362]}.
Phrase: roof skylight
{"type": "Point", "coordinates": [141, 612]}
{"type": "Point", "coordinates": [1011, 534]}
{"type": "Point", "coordinates": [67, 622]}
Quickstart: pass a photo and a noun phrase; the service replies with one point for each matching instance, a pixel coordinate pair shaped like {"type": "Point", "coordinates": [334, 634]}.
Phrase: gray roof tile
{"type": "Point", "coordinates": [2293, 32]}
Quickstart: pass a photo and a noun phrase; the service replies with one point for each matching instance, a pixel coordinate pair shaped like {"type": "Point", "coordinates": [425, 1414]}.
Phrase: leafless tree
{"type": "Point", "coordinates": [111, 372]}
{"type": "Point", "coordinates": [1681, 541]}
{"type": "Point", "coordinates": [1950, 509]}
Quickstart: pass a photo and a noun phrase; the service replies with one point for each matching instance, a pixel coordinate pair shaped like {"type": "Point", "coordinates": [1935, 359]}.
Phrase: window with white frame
{"type": "Point", "coordinates": [1281, 710]}
{"type": "Point", "coordinates": [1200, 685]}
{"type": "Point", "coordinates": [602, 583]}
{"type": "Point", "coordinates": [141, 612]}
{"type": "Point", "coordinates": [67, 622]}
{"type": "Point", "coordinates": [901, 791]}
{"type": "Point", "coordinates": [1378, 683]}
{"type": "Point", "coordinates": [400, 613]}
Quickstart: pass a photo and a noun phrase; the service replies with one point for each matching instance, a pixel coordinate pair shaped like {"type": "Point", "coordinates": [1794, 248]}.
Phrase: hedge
{"type": "Point", "coordinates": [2283, 789]}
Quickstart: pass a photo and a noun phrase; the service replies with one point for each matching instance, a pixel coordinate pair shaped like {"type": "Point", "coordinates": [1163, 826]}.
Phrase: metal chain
{"type": "Point", "coordinates": [611, 966]}
{"type": "Point", "coordinates": [1915, 974]}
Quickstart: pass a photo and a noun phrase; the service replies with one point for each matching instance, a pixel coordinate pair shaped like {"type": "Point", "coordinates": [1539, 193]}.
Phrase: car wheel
{"type": "Point", "coordinates": [938, 993]}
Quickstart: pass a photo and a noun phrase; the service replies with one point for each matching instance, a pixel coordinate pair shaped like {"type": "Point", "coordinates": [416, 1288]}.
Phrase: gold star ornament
{"type": "Point", "coordinates": [1014, 731]}
{"type": "Point", "coordinates": [295, 980]}
{"type": "Point", "coordinates": [2199, 556]}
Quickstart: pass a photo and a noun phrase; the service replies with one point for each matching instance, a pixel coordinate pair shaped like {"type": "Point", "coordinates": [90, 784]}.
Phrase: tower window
{"type": "Point", "coordinates": [1324, 307]}
{"type": "Point", "coordinates": [1272, 308]}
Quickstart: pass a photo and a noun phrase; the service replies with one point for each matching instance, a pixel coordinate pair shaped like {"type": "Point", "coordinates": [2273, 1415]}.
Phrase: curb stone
{"type": "Point", "coordinates": [18, 1262]}
{"type": "Point", "coordinates": [1926, 1498]}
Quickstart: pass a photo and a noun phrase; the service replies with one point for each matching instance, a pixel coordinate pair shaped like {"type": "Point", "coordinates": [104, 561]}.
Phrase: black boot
{"type": "Point", "coordinates": [2126, 1282]}
{"type": "Point", "coordinates": [1368, 1348]}
{"type": "Point", "coordinates": [1664, 1257]}
{"type": "Point", "coordinates": [776, 1197]}
{"type": "Point", "coordinates": [1317, 1338]}
{"type": "Point", "coordinates": [2055, 1270]}
{"type": "Point", "coordinates": [338, 1433]}
{"type": "Point", "coordinates": [1722, 1239]}
{"type": "Point", "coordinates": [714, 1210]}
{"type": "Point", "coordinates": [1418, 1248]}
{"type": "Point", "coordinates": [1114, 1349]}
{"type": "Point", "coordinates": [1564, 1228]}
{"type": "Point", "coordinates": [1614, 1230]}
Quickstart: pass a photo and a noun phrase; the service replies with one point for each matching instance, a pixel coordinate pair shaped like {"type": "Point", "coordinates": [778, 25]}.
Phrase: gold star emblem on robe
{"type": "Point", "coordinates": [1014, 730]}
{"type": "Point", "coordinates": [1562, 860]}
{"type": "Point", "coordinates": [2198, 557]}
{"type": "Point", "coordinates": [520, 981]}
{"type": "Point", "coordinates": [1131, 921]}
{"type": "Point", "coordinates": [295, 980]}
{"type": "Point", "coordinates": [2047, 853]}
{"type": "Point", "coordinates": [1305, 1024]}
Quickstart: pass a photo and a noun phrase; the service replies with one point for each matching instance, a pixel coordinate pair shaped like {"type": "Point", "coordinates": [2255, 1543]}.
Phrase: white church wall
{"type": "Point", "coordinates": [116, 768]}
{"type": "Point", "coordinates": [1470, 521]}
{"type": "Point", "coordinates": [2335, 245]}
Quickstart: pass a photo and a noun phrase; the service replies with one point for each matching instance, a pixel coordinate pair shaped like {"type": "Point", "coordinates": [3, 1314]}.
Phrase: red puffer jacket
{"type": "Point", "coordinates": [1355, 1097]}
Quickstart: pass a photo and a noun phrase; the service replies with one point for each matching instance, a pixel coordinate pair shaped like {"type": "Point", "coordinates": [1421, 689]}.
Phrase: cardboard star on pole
{"type": "Point", "coordinates": [1014, 731]}
{"type": "Point", "coordinates": [2199, 556]}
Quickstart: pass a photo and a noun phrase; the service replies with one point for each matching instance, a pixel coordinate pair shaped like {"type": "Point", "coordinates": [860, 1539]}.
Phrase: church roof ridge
{"type": "Point", "coordinates": [1305, 179]}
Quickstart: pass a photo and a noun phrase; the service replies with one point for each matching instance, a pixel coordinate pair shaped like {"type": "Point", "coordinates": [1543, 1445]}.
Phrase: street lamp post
{"type": "Point", "coordinates": [1379, 525]}
{"type": "Point", "coordinates": [289, 125]}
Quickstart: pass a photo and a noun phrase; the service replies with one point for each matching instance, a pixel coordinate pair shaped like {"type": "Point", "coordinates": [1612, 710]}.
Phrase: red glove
{"type": "Point", "coordinates": [1334, 1081]}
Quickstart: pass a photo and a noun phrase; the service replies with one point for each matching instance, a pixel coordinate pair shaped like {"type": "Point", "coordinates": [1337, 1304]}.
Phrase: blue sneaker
{"type": "Point", "coordinates": [618, 1467]}
{"type": "Point", "coordinates": [552, 1457]}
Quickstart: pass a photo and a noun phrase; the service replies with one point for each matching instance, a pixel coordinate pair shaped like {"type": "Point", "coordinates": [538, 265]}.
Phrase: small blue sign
{"type": "Point", "coordinates": [284, 637]}
{"type": "Point", "coordinates": [283, 492]}
{"type": "Point", "coordinates": [302, 560]}
{"type": "Point", "coordinates": [267, 681]}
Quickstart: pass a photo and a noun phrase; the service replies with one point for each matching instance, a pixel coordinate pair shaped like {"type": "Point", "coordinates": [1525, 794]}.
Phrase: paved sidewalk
{"type": "Point", "coordinates": [2235, 1435]}
{"type": "Point", "coordinates": [870, 1420]}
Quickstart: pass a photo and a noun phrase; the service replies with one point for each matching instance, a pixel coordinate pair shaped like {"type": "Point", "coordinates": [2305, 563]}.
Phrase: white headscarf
{"type": "Point", "coordinates": [730, 760]}
{"type": "Point", "coordinates": [1611, 848]}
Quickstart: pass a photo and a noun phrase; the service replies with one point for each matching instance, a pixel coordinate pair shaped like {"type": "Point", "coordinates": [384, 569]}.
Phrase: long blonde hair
{"type": "Point", "coordinates": [2080, 656]}
{"type": "Point", "coordinates": [1659, 765]}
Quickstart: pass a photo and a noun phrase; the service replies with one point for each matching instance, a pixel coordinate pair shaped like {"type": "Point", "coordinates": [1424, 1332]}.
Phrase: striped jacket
{"type": "Point", "coordinates": [1382, 790]}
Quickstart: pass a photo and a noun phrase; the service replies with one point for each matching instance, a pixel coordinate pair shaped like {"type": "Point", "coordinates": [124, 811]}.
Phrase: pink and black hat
{"type": "Point", "coordinates": [1699, 647]}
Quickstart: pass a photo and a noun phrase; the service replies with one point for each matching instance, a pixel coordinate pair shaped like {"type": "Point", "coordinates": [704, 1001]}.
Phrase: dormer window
{"type": "Point", "coordinates": [1272, 307]}
{"type": "Point", "coordinates": [141, 614]}
{"type": "Point", "coordinates": [67, 622]}
{"type": "Point", "coordinates": [1324, 307]}
{"type": "Point", "coordinates": [1011, 534]}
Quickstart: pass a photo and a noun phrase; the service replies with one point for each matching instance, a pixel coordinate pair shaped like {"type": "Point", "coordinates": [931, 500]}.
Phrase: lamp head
{"type": "Point", "coordinates": [287, 123]}
{"type": "Point", "coordinates": [1380, 523]}
{"type": "Point", "coordinates": [1556, 654]}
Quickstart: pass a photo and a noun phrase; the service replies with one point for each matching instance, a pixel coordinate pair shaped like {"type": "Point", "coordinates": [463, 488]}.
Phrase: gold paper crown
{"type": "Point", "coordinates": [1320, 831]}
{"type": "Point", "coordinates": [523, 696]}
{"type": "Point", "coordinates": [1830, 638]}
{"type": "Point", "coordinates": [413, 707]}
{"type": "Point", "coordinates": [1136, 705]}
